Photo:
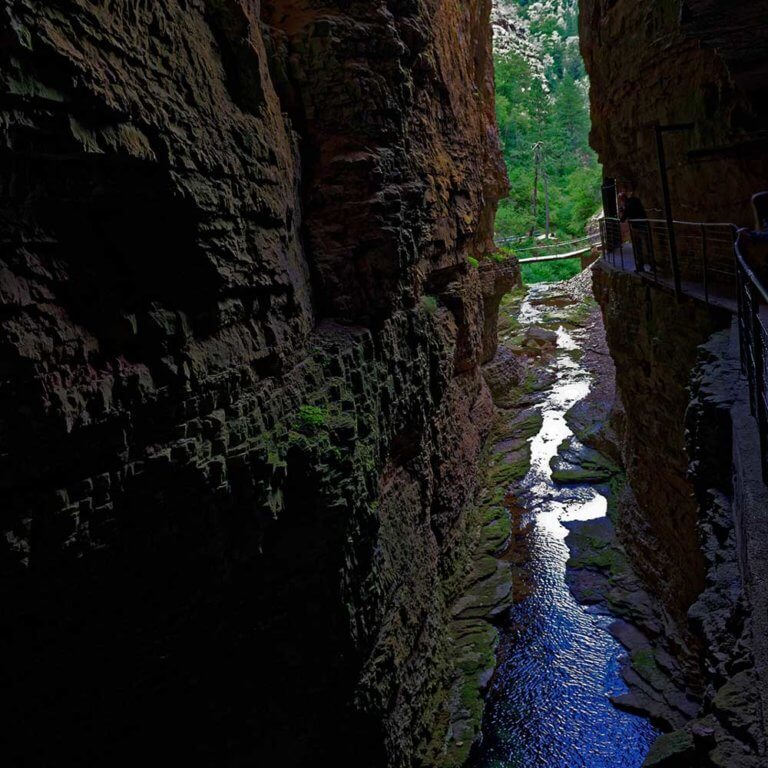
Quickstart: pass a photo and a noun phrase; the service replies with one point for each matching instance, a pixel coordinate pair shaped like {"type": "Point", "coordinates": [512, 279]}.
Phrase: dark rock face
{"type": "Point", "coordinates": [241, 405]}
{"type": "Point", "coordinates": [730, 613]}
{"type": "Point", "coordinates": [699, 62]}
{"type": "Point", "coordinates": [653, 340]}
{"type": "Point", "coordinates": [742, 45]}
{"type": "Point", "coordinates": [692, 522]}
{"type": "Point", "coordinates": [694, 61]}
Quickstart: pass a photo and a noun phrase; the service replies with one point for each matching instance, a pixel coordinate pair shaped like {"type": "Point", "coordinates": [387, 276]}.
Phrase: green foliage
{"type": "Point", "coordinates": [313, 416]}
{"type": "Point", "coordinates": [553, 111]}
{"type": "Point", "coordinates": [550, 271]}
{"type": "Point", "coordinates": [429, 304]}
{"type": "Point", "coordinates": [473, 261]}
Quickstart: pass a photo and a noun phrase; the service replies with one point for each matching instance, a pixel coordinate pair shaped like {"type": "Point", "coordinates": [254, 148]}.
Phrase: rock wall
{"type": "Point", "coordinates": [653, 341]}
{"type": "Point", "coordinates": [693, 516]}
{"type": "Point", "coordinates": [723, 442]}
{"type": "Point", "coordinates": [240, 402]}
{"type": "Point", "coordinates": [675, 63]}
{"type": "Point", "coordinates": [697, 62]}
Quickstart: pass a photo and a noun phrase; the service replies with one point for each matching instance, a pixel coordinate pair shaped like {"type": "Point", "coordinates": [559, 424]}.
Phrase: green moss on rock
{"type": "Point", "coordinates": [672, 750]}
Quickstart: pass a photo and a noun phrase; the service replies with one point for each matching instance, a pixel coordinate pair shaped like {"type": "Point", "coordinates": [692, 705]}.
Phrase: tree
{"type": "Point", "coordinates": [549, 110]}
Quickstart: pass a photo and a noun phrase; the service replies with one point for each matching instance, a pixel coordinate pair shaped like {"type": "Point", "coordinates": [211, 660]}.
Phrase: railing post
{"type": "Point", "coordinates": [734, 238]}
{"type": "Point", "coordinates": [753, 338]}
{"type": "Point", "coordinates": [704, 259]}
{"type": "Point", "coordinates": [652, 251]}
{"type": "Point", "coordinates": [757, 352]}
{"type": "Point", "coordinates": [759, 374]}
{"type": "Point", "coordinates": [633, 240]}
{"type": "Point", "coordinates": [621, 245]}
{"type": "Point", "coordinates": [668, 209]}
{"type": "Point", "coordinates": [602, 238]}
{"type": "Point", "coordinates": [740, 314]}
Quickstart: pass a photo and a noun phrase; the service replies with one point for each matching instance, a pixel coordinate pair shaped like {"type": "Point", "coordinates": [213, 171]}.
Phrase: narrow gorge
{"type": "Point", "coordinates": [300, 466]}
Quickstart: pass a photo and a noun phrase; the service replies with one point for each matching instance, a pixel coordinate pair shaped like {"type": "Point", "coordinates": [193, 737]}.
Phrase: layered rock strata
{"type": "Point", "coordinates": [653, 340]}
{"type": "Point", "coordinates": [682, 64]}
{"type": "Point", "coordinates": [241, 401]}
{"type": "Point", "coordinates": [692, 522]}
{"type": "Point", "coordinates": [679, 63]}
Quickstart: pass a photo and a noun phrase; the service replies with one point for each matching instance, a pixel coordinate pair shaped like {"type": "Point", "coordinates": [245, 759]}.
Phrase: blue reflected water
{"type": "Point", "coordinates": [548, 704]}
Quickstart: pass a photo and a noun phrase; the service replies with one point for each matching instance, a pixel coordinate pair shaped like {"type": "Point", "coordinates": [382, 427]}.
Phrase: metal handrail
{"type": "Point", "coordinates": [753, 341]}
{"type": "Point", "coordinates": [702, 253]}
{"type": "Point", "coordinates": [691, 223]}
{"type": "Point", "coordinates": [611, 239]}
{"type": "Point", "coordinates": [557, 244]}
{"type": "Point", "coordinates": [751, 295]}
{"type": "Point", "coordinates": [515, 238]}
{"type": "Point", "coordinates": [750, 273]}
{"type": "Point", "coordinates": [556, 256]}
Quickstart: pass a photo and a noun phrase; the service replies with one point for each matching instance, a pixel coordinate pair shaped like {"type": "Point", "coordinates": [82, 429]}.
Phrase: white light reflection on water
{"type": "Point", "coordinates": [548, 705]}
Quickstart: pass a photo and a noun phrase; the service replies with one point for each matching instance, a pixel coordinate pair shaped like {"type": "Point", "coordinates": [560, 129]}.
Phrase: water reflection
{"type": "Point", "coordinates": [548, 706]}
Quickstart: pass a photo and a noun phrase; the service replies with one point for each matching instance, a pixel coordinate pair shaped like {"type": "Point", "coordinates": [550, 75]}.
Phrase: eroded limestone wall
{"type": "Point", "coordinates": [700, 62]}
{"type": "Point", "coordinates": [653, 341]}
{"type": "Point", "coordinates": [240, 400]}
{"type": "Point", "coordinates": [681, 518]}
{"type": "Point", "coordinates": [677, 62]}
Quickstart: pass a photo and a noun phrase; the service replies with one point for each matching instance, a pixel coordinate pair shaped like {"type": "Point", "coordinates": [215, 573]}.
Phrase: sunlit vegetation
{"type": "Point", "coordinates": [550, 271]}
{"type": "Point", "coordinates": [542, 97]}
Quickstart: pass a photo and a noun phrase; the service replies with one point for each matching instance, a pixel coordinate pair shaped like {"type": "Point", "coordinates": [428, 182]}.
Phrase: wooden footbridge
{"type": "Point", "coordinates": [585, 248]}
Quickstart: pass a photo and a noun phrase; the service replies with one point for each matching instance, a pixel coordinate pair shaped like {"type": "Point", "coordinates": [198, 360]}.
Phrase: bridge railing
{"type": "Point", "coordinates": [515, 238]}
{"type": "Point", "coordinates": [753, 336]}
{"type": "Point", "coordinates": [557, 248]}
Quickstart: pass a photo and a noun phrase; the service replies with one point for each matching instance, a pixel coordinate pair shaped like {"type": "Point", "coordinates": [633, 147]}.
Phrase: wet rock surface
{"type": "Point", "coordinates": [653, 341]}
{"type": "Point", "coordinates": [488, 587]}
{"type": "Point", "coordinates": [601, 573]}
{"type": "Point", "coordinates": [534, 378]}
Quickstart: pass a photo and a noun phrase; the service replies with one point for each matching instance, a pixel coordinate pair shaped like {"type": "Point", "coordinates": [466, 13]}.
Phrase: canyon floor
{"type": "Point", "coordinates": [554, 630]}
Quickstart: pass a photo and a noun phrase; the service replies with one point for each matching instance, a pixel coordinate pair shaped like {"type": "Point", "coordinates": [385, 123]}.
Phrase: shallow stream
{"type": "Point", "coordinates": [548, 705]}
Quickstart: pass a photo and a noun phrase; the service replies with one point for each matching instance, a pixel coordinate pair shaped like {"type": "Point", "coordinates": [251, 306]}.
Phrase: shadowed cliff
{"type": "Point", "coordinates": [240, 402]}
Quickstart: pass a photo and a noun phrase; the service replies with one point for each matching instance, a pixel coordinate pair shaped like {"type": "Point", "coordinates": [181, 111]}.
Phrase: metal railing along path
{"type": "Point", "coordinates": [612, 241]}
{"type": "Point", "coordinates": [703, 253]}
{"type": "Point", "coordinates": [708, 263]}
{"type": "Point", "coordinates": [515, 238]}
{"type": "Point", "coordinates": [702, 261]}
{"type": "Point", "coordinates": [592, 239]}
{"type": "Point", "coordinates": [556, 257]}
{"type": "Point", "coordinates": [753, 338]}
{"type": "Point", "coordinates": [560, 249]}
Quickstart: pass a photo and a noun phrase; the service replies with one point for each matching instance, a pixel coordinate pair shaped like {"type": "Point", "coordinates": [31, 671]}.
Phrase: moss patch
{"type": "Point", "coordinates": [670, 748]}
{"type": "Point", "coordinates": [313, 416]}
{"type": "Point", "coordinates": [474, 638]}
{"type": "Point", "coordinates": [488, 582]}
{"type": "Point", "coordinates": [593, 546]}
